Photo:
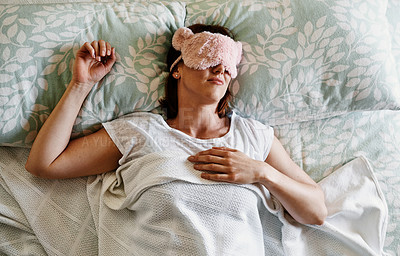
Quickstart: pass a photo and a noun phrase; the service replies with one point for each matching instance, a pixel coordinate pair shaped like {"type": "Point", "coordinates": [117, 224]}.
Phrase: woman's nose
{"type": "Point", "coordinates": [220, 69]}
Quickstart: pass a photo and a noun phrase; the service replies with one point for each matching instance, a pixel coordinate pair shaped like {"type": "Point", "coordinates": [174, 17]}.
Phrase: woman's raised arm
{"type": "Point", "coordinates": [53, 155]}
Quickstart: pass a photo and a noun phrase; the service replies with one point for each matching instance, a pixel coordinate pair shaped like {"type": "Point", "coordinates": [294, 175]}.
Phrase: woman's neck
{"type": "Point", "coordinates": [200, 123]}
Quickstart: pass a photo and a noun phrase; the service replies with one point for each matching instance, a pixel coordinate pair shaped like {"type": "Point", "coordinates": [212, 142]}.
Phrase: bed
{"type": "Point", "coordinates": [325, 74]}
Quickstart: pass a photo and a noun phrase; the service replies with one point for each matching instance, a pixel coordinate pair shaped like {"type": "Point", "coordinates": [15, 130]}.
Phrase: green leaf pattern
{"type": "Point", "coordinates": [392, 14]}
{"type": "Point", "coordinates": [38, 45]}
{"type": "Point", "coordinates": [303, 61]}
{"type": "Point", "coordinates": [336, 60]}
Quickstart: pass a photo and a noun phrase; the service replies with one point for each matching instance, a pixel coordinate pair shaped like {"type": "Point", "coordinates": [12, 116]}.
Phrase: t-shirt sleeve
{"type": "Point", "coordinates": [263, 136]}
{"type": "Point", "coordinates": [129, 134]}
{"type": "Point", "coordinates": [123, 132]}
{"type": "Point", "coordinates": [267, 133]}
{"type": "Point", "coordinates": [271, 138]}
{"type": "Point", "coordinates": [115, 129]}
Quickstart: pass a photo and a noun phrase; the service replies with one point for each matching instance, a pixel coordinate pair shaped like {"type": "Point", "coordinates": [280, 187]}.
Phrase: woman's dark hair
{"type": "Point", "coordinates": [170, 101]}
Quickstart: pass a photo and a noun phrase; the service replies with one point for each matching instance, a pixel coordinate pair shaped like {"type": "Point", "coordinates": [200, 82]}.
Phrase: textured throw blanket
{"type": "Point", "coordinates": [43, 217]}
{"type": "Point", "coordinates": [356, 224]}
{"type": "Point", "coordinates": [166, 208]}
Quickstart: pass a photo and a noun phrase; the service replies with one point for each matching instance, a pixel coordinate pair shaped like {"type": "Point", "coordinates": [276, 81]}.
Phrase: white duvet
{"type": "Point", "coordinates": [72, 217]}
{"type": "Point", "coordinates": [356, 224]}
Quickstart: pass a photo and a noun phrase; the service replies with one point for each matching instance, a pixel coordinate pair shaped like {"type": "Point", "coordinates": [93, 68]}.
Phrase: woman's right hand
{"type": "Point", "coordinates": [53, 154]}
{"type": "Point", "coordinates": [93, 61]}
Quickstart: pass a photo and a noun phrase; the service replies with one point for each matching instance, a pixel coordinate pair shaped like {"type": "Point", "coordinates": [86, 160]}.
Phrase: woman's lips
{"type": "Point", "coordinates": [216, 80]}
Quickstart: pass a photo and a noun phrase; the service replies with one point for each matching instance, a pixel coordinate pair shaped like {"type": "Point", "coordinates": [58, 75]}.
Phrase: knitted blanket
{"type": "Point", "coordinates": [160, 205]}
{"type": "Point", "coordinates": [38, 217]}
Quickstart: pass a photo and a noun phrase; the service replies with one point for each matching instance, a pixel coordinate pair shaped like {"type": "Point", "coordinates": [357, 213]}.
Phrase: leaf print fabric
{"type": "Point", "coordinates": [307, 60]}
{"type": "Point", "coordinates": [304, 61]}
{"type": "Point", "coordinates": [392, 15]}
{"type": "Point", "coordinates": [37, 48]}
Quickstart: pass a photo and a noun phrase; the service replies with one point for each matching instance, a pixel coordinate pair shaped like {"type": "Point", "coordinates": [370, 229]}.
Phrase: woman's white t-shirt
{"type": "Point", "coordinates": [141, 133]}
{"type": "Point", "coordinates": [184, 218]}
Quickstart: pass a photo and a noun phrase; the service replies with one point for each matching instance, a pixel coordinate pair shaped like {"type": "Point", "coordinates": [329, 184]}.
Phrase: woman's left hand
{"type": "Point", "coordinates": [228, 165]}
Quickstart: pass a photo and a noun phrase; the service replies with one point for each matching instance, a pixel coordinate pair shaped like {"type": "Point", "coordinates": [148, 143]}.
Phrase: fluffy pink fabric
{"type": "Point", "coordinates": [204, 50]}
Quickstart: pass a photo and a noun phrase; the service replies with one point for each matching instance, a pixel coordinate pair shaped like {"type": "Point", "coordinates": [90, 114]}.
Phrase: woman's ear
{"type": "Point", "coordinates": [176, 74]}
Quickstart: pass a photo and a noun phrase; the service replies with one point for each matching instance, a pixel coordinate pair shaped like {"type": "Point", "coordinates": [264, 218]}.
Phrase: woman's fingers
{"type": "Point", "coordinates": [95, 45]}
{"type": "Point", "coordinates": [213, 167]}
{"type": "Point", "coordinates": [216, 155]}
{"type": "Point", "coordinates": [90, 49]}
{"type": "Point", "coordinates": [93, 61]}
{"type": "Point", "coordinates": [226, 164]}
{"type": "Point", "coordinates": [108, 49]}
{"type": "Point", "coordinates": [110, 59]}
{"type": "Point", "coordinates": [225, 149]}
{"type": "Point", "coordinates": [102, 48]}
{"type": "Point", "coordinates": [101, 51]}
{"type": "Point", "coordinates": [206, 158]}
{"type": "Point", "coordinates": [218, 151]}
{"type": "Point", "coordinates": [217, 177]}
{"type": "Point", "coordinates": [214, 159]}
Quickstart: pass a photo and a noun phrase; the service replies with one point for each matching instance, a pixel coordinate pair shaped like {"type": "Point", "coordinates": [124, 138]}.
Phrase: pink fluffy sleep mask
{"type": "Point", "coordinates": [204, 50]}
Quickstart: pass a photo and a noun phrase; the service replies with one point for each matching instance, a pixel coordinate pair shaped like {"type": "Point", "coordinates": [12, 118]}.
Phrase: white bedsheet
{"type": "Point", "coordinates": [62, 218]}
{"type": "Point", "coordinates": [357, 216]}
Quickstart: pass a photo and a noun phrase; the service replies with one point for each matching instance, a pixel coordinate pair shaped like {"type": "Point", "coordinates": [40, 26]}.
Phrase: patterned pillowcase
{"type": "Point", "coordinates": [300, 63]}
{"type": "Point", "coordinates": [307, 59]}
{"type": "Point", "coordinates": [37, 48]}
{"type": "Point", "coordinates": [392, 14]}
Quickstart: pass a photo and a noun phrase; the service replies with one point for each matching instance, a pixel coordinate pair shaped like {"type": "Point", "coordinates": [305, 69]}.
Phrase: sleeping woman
{"type": "Point", "coordinates": [219, 144]}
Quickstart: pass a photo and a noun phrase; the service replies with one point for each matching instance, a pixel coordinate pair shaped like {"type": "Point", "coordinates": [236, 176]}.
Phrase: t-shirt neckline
{"type": "Point", "coordinates": [231, 117]}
